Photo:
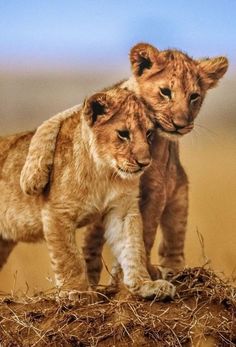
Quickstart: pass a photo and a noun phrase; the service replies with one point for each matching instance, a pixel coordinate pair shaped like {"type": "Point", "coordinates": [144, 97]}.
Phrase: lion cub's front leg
{"type": "Point", "coordinates": [124, 234]}
{"type": "Point", "coordinates": [67, 262]}
{"type": "Point", "coordinates": [37, 168]}
{"type": "Point", "coordinates": [173, 226]}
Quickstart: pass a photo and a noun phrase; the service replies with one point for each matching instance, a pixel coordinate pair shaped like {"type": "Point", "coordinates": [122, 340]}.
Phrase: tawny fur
{"type": "Point", "coordinates": [164, 186]}
{"type": "Point", "coordinates": [174, 85]}
{"type": "Point", "coordinates": [95, 175]}
{"type": "Point", "coordinates": [40, 160]}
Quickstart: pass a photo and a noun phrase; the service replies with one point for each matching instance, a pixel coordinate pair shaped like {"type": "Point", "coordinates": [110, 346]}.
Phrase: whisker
{"type": "Point", "coordinates": [205, 138]}
{"type": "Point", "coordinates": [194, 138]}
{"type": "Point", "coordinates": [131, 166]}
{"type": "Point", "coordinates": [211, 135]}
{"type": "Point", "coordinates": [207, 129]}
{"type": "Point", "coordinates": [114, 175]}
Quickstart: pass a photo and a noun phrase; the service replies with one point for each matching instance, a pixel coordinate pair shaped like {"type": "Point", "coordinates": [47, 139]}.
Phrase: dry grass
{"type": "Point", "coordinates": [204, 305]}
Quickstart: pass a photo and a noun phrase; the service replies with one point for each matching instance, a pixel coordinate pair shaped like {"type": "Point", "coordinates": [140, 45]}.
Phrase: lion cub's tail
{"type": "Point", "coordinates": [36, 170]}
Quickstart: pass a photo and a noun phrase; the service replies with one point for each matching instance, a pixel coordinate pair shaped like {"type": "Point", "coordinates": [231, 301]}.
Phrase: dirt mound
{"type": "Point", "coordinates": [204, 309]}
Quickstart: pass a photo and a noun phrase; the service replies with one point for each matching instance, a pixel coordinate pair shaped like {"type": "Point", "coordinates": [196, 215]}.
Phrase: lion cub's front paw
{"type": "Point", "coordinates": [170, 266]}
{"type": "Point", "coordinates": [159, 289]}
{"type": "Point", "coordinates": [154, 272]}
{"type": "Point", "coordinates": [86, 297]}
{"type": "Point", "coordinates": [167, 273]}
{"type": "Point", "coordinates": [33, 180]}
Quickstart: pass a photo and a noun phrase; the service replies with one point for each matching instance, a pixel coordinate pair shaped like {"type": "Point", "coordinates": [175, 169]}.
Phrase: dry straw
{"type": "Point", "coordinates": [202, 313]}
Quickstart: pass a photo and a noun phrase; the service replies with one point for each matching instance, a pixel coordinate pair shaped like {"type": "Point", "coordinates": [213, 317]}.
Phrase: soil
{"type": "Point", "coordinates": [203, 313]}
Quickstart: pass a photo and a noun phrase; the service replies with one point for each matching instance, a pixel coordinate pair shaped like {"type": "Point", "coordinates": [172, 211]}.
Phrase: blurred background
{"type": "Point", "coordinates": [54, 53]}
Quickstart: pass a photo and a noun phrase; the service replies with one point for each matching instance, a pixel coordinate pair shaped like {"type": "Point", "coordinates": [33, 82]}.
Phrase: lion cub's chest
{"type": "Point", "coordinates": [99, 201]}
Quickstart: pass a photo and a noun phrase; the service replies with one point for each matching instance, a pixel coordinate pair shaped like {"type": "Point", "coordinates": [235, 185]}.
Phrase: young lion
{"type": "Point", "coordinates": [96, 174]}
{"type": "Point", "coordinates": [174, 85]}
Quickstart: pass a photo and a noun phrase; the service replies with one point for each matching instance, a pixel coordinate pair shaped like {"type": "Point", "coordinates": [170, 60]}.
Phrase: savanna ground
{"type": "Point", "coordinates": [203, 312]}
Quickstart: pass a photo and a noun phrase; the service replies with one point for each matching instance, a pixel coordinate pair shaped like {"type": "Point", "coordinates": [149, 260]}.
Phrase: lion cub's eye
{"type": "Point", "coordinates": [194, 97]}
{"type": "Point", "coordinates": [123, 134]}
{"type": "Point", "coordinates": [166, 92]}
{"type": "Point", "coordinates": [150, 135]}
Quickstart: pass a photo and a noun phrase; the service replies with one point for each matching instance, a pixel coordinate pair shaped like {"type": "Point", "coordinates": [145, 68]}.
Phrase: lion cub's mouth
{"type": "Point", "coordinates": [127, 172]}
{"type": "Point", "coordinates": [168, 133]}
{"type": "Point", "coordinates": [175, 132]}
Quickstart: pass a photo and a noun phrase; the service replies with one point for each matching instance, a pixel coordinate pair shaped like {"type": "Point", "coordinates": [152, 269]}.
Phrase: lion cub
{"type": "Point", "coordinates": [174, 86]}
{"type": "Point", "coordinates": [100, 153]}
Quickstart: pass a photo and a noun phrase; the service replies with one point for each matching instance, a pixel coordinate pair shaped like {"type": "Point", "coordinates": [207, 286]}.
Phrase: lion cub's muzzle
{"type": "Point", "coordinates": [143, 163]}
{"type": "Point", "coordinates": [182, 127]}
{"type": "Point", "coordinates": [136, 168]}
{"type": "Point", "coordinates": [175, 129]}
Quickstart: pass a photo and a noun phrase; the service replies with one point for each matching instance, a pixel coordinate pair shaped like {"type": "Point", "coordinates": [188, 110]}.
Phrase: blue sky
{"type": "Point", "coordinates": [102, 32]}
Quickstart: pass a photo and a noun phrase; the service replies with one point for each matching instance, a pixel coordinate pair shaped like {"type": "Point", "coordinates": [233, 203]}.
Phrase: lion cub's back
{"type": "Point", "coordinates": [13, 151]}
{"type": "Point", "coordinates": [20, 217]}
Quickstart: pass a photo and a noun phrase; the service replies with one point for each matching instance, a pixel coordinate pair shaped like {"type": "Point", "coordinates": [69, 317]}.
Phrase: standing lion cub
{"type": "Point", "coordinates": [174, 85]}
{"type": "Point", "coordinates": [100, 153]}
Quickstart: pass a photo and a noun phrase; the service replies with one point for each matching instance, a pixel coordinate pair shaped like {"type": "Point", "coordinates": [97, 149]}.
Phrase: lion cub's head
{"type": "Point", "coordinates": [120, 129]}
{"type": "Point", "coordinates": [174, 84]}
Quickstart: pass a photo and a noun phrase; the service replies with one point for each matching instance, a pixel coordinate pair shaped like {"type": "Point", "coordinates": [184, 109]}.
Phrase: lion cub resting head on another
{"type": "Point", "coordinates": [171, 82]}
{"type": "Point", "coordinates": [95, 174]}
{"type": "Point", "coordinates": [175, 86]}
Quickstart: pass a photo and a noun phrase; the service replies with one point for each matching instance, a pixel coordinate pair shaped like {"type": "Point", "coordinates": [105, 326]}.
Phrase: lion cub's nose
{"type": "Point", "coordinates": [180, 123]}
{"type": "Point", "coordinates": [142, 163]}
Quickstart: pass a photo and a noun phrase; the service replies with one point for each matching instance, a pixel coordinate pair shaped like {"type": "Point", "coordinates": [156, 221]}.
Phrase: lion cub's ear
{"type": "Point", "coordinates": [142, 57]}
{"type": "Point", "coordinates": [211, 70]}
{"type": "Point", "coordinates": [98, 108]}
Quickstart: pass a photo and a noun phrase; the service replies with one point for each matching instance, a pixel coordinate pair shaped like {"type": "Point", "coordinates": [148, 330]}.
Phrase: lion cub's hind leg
{"type": "Point", "coordinates": [6, 246]}
{"type": "Point", "coordinates": [92, 249]}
